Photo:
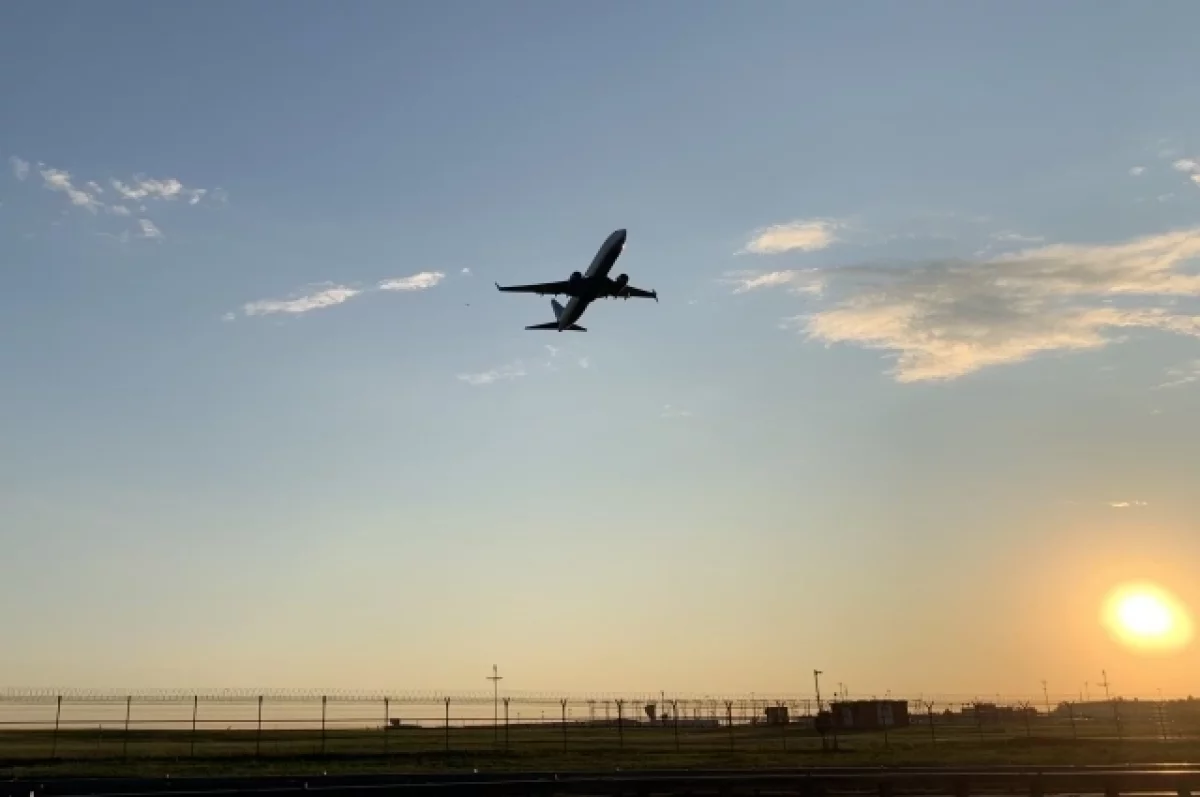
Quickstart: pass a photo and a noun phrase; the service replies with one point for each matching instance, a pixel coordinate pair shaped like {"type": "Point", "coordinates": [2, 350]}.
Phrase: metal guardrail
{"type": "Point", "coordinates": [1182, 780]}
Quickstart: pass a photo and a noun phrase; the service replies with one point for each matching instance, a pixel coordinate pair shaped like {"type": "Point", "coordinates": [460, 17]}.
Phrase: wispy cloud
{"type": "Point", "coordinates": [1137, 171]}
{"type": "Point", "coordinates": [669, 411]}
{"type": "Point", "coordinates": [806, 235]}
{"type": "Point", "coordinates": [20, 167]}
{"type": "Point", "coordinates": [1182, 375]}
{"type": "Point", "coordinates": [417, 282]}
{"type": "Point", "coordinates": [552, 363]}
{"type": "Point", "coordinates": [1190, 167]}
{"type": "Point", "coordinates": [466, 271]}
{"type": "Point", "coordinates": [504, 372]}
{"type": "Point", "coordinates": [149, 229]}
{"type": "Point", "coordinates": [59, 180]}
{"type": "Point", "coordinates": [803, 281]}
{"type": "Point", "coordinates": [1126, 504]}
{"type": "Point", "coordinates": [943, 320]}
{"type": "Point", "coordinates": [91, 195]}
{"type": "Point", "coordinates": [1008, 236]}
{"type": "Point", "coordinates": [328, 295]}
{"type": "Point", "coordinates": [169, 189]}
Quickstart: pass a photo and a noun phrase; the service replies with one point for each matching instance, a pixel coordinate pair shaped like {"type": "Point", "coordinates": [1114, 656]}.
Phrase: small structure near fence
{"type": "Point", "coordinates": [992, 714]}
{"type": "Point", "coordinates": [869, 715]}
{"type": "Point", "coordinates": [776, 715]}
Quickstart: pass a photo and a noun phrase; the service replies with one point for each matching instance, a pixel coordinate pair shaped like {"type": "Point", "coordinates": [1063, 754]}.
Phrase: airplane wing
{"type": "Point", "coordinates": [541, 288]}
{"type": "Point", "coordinates": [638, 293]}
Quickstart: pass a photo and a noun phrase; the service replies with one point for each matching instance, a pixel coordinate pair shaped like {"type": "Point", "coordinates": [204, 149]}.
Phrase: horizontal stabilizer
{"type": "Point", "coordinates": [554, 325]}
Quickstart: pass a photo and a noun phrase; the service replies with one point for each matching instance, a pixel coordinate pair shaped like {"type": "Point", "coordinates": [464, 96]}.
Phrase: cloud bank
{"type": "Point", "coordinates": [944, 320]}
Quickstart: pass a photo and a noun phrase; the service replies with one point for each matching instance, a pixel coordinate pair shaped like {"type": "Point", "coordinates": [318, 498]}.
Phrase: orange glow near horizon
{"type": "Point", "coordinates": [1145, 617]}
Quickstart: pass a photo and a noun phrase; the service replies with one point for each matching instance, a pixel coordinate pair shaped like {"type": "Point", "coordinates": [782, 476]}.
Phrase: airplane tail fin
{"type": "Point", "coordinates": [558, 311]}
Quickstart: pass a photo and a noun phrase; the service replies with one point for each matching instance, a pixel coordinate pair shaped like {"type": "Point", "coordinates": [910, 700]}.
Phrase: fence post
{"type": "Point", "coordinates": [675, 718]}
{"type": "Point", "coordinates": [564, 723]}
{"type": "Point", "coordinates": [195, 710]}
{"type": "Point", "coordinates": [621, 723]}
{"type": "Point", "coordinates": [506, 724]}
{"type": "Point", "coordinates": [447, 725]}
{"type": "Point", "coordinates": [258, 733]}
{"type": "Point", "coordinates": [1071, 714]}
{"type": "Point", "coordinates": [387, 719]}
{"type": "Point", "coordinates": [729, 719]}
{"type": "Point", "coordinates": [125, 739]}
{"type": "Point", "coordinates": [932, 730]}
{"type": "Point", "coordinates": [324, 702]}
{"type": "Point", "coordinates": [54, 739]}
{"type": "Point", "coordinates": [1024, 704]}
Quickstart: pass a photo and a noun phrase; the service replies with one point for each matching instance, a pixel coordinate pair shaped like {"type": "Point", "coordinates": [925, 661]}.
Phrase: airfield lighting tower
{"type": "Point", "coordinates": [1104, 683]}
{"type": "Point", "coordinates": [817, 683]}
{"type": "Point", "coordinates": [495, 678]}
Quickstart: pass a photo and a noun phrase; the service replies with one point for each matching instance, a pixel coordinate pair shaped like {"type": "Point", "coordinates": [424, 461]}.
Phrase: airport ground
{"type": "Point", "coordinates": [540, 747]}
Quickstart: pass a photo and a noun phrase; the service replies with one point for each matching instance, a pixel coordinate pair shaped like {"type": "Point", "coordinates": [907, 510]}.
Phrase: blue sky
{"type": "Point", "coordinates": [922, 386]}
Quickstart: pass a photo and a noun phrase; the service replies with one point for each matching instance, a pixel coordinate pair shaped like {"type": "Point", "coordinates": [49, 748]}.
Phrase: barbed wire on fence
{"type": "Point", "coordinates": [38, 695]}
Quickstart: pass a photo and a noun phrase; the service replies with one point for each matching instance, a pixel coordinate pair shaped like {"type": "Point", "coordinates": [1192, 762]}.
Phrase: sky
{"type": "Point", "coordinates": [922, 388]}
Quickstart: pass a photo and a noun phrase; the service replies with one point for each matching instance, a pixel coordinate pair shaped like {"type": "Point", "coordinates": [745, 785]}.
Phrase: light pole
{"type": "Point", "coordinates": [495, 678]}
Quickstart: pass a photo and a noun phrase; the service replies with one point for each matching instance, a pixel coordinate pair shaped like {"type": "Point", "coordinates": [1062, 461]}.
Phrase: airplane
{"type": "Point", "coordinates": [585, 288]}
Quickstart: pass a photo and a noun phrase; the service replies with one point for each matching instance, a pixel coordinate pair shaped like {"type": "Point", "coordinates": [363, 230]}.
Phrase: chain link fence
{"type": "Point", "coordinates": [82, 726]}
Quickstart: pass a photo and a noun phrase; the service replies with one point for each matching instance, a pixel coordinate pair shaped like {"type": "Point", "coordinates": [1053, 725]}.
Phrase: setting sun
{"type": "Point", "coordinates": [1144, 616]}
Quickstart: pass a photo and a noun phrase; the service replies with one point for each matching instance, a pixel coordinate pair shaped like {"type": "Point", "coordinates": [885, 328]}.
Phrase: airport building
{"type": "Point", "coordinates": [869, 715]}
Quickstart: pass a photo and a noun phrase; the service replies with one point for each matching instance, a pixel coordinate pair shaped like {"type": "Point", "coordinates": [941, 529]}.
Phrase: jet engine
{"type": "Point", "coordinates": [620, 282]}
{"type": "Point", "coordinates": [576, 276]}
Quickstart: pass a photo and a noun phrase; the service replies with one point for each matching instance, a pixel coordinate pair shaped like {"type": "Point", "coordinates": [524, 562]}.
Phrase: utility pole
{"type": "Point", "coordinates": [1046, 694]}
{"type": "Point", "coordinates": [817, 683]}
{"type": "Point", "coordinates": [1162, 714]}
{"type": "Point", "coordinates": [1104, 683]}
{"type": "Point", "coordinates": [495, 678]}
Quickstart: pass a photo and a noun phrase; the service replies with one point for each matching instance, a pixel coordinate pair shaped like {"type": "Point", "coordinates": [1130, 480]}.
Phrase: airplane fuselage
{"type": "Point", "coordinates": [595, 281]}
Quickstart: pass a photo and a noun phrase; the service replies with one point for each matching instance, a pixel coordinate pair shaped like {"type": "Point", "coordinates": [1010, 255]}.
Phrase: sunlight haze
{"type": "Point", "coordinates": [921, 392]}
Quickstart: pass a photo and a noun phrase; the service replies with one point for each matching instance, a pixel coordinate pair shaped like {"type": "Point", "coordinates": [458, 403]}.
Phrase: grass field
{"type": "Point", "coordinates": [544, 747]}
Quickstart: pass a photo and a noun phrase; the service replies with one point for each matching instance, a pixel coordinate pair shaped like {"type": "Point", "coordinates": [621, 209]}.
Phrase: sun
{"type": "Point", "coordinates": [1146, 617]}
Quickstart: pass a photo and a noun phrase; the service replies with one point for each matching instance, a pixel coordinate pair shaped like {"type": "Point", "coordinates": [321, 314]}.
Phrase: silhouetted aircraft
{"type": "Point", "coordinates": [585, 288]}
